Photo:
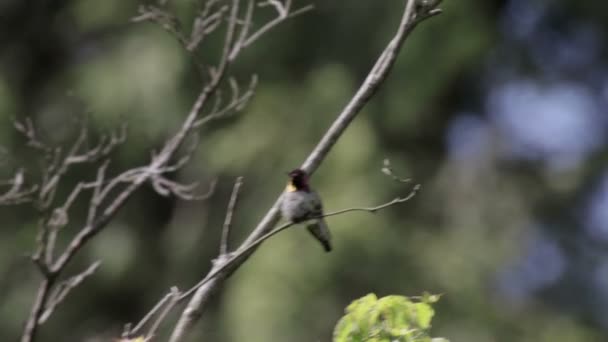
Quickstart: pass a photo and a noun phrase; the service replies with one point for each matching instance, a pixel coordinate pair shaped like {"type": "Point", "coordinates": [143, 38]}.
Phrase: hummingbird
{"type": "Point", "coordinates": [301, 203]}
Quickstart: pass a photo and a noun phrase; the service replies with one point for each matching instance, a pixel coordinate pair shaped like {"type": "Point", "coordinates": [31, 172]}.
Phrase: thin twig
{"type": "Point", "coordinates": [244, 250]}
{"type": "Point", "coordinates": [128, 332]}
{"type": "Point", "coordinates": [387, 169]}
{"type": "Point", "coordinates": [229, 213]}
{"type": "Point", "coordinates": [110, 196]}
{"type": "Point", "coordinates": [17, 194]}
{"type": "Point", "coordinates": [31, 325]}
{"type": "Point", "coordinates": [271, 24]}
{"type": "Point", "coordinates": [64, 288]}
{"type": "Point", "coordinates": [236, 104]}
{"type": "Point", "coordinates": [228, 261]}
{"type": "Point", "coordinates": [369, 87]}
{"type": "Point", "coordinates": [57, 165]}
{"type": "Point", "coordinates": [188, 318]}
{"type": "Point", "coordinates": [174, 298]}
{"type": "Point", "coordinates": [247, 23]}
{"type": "Point", "coordinates": [380, 207]}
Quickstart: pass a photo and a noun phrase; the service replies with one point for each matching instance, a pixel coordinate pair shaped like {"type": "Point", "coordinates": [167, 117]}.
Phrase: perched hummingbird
{"type": "Point", "coordinates": [301, 203]}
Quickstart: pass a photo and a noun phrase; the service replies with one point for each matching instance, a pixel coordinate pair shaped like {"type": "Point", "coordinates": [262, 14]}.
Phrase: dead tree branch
{"type": "Point", "coordinates": [17, 193]}
{"type": "Point", "coordinates": [412, 15]}
{"type": "Point", "coordinates": [56, 216]}
{"type": "Point", "coordinates": [229, 213]}
{"type": "Point", "coordinates": [243, 251]}
{"type": "Point", "coordinates": [227, 262]}
{"type": "Point", "coordinates": [108, 194]}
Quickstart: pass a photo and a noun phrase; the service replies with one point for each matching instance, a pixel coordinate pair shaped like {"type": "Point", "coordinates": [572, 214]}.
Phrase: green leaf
{"type": "Point", "coordinates": [391, 318]}
{"type": "Point", "coordinates": [424, 313]}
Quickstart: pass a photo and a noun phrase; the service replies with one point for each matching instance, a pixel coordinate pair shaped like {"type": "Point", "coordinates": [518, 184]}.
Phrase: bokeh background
{"type": "Point", "coordinates": [496, 107]}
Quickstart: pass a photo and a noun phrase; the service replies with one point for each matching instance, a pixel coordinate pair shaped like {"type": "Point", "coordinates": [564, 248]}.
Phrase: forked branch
{"type": "Point", "coordinates": [108, 194]}
{"type": "Point", "coordinates": [413, 14]}
{"type": "Point", "coordinates": [227, 262]}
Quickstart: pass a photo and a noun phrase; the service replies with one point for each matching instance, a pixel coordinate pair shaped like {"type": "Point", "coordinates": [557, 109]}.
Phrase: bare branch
{"type": "Point", "coordinates": [229, 212]}
{"type": "Point", "coordinates": [246, 25]}
{"type": "Point", "coordinates": [76, 191]}
{"type": "Point", "coordinates": [17, 194]}
{"type": "Point", "coordinates": [29, 132]}
{"type": "Point", "coordinates": [379, 207]}
{"type": "Point", "coordinates": [174, 299]}
{"type": "Point", "coordinates": [237, 103]}
{"type": "Point", "coordinates": [388, 170]}
{"type": "Point", "coordinates": [96, 198]}
{"type": "Point", "coordinates": [283, 13]}
{"type": "Point", "coordinates": [109, 196]}
{"type": "Point", "coordinates": [207, 22]}
{"type": "Point", "coordinates": [165, 187]}
{"type": "Point", "coordinates": [371, 84]}
{"type": "Point", "coordinates": [164, 19]}
{"type": "Point", "coordinates": [105, 146]}
{"type": "Point", "coordinates": [59, 166]}
{"type": "Point", "coordinates": [128, 332]}
{"type": "Point", "coordinates": [31, 325]}
{"type": "Point", "coordinates": [227, 262]}
{"type": "Point", "coordinates": [64, 288]}
{"type": "Point", "coordinates": [244, 250]}
{"type": "Point", "coordinates": [166, 304]}
{"type": "Point", "coordinates": [281, 9]}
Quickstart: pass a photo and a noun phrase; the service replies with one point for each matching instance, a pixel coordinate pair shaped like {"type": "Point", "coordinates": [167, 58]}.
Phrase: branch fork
{"type": "Point", "coordinates": [109, 194]}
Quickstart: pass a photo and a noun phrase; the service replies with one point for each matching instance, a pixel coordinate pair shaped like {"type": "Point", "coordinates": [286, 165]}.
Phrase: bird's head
{"type": "Point", "coordinates": [298, 180]}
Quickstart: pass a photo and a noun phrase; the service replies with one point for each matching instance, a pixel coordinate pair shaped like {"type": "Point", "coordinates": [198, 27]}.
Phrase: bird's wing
{"type": "Point", "coordinates": [317, 227]}
{"type": "Point", "coordinates": [316, 206]}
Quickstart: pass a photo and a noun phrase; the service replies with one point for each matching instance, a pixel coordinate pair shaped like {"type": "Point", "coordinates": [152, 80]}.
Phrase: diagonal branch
{"type": "Point", "coordinates": [173, 300]}
{"type": "Point", "coordinates": [229, 213]}
{"type": "Point", "coordinates": [165, 302]}
{"type": "Point", "coordinates": [244, 251]}
{"type": "Point", "coordinates": [369, 87]}
{"type": "Point", "coordinates": [110, 195]}
{"type": "Point", "coordinates": [64, 288]}
{"type": "Point", "coordinates": [17, 194]}
{"type": "Point", "coordinates": [284, 12]}
{"type": "Point", "coordinates": [227, 263]}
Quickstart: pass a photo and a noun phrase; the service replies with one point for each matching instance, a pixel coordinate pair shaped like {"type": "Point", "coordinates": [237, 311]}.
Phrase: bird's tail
{"type": "Point", "coordinates": [318, 228]}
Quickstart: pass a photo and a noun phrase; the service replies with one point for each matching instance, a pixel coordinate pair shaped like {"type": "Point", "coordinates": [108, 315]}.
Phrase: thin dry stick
{"type": "Point", "coordinates": [174, 299]}
{"type": "Point", "coordinates": [230, 260]}
{"type": "Point", "coordinates": [130, 332]}
{"type": "Point", "coordinates": [371, 84]}
{"type": "Point", "coordinates": [369, 87]}
{"type": "Point", "coordinates": [229, 212]}
{"type": "Point", "coordinates": [64, 288]}
{"type": "Point", "coordinates": [283, 13]}
{"type": "Point", "coordinates": [380, 207]}
{"type": "Point", "coordinates": [16, 194]}
{"type": "Point", "coordinates": [99, 217]}
{"type": "Point", "coordinates": [58, 164]}
{"type": "Point", "coordinates": [241, 252]}
{"type": "Point", "coordinates": [110, 195]}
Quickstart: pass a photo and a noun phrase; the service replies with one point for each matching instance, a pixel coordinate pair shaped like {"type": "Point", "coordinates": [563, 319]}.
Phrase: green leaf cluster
{"type": "Point", "coordinates": [387, 319]}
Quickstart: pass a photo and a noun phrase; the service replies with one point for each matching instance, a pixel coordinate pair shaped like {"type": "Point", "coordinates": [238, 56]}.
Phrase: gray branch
{"type": "Point", "coordinates": [220, 271]}
{"type": "Point", "coordinates": [109, 194]}
{"type": "Point", "coordinates": [229, 213]}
